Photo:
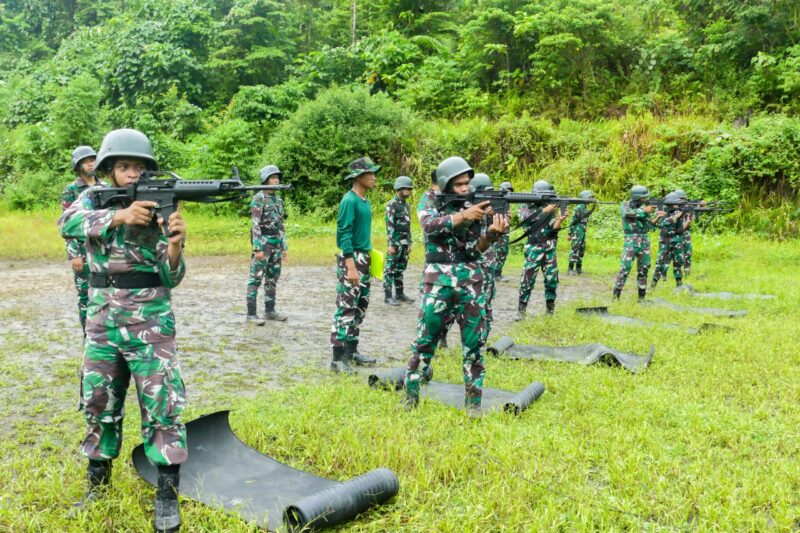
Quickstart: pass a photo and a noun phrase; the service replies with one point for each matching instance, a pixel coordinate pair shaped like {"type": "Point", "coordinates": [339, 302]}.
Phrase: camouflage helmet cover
{"type": "Point", "coordinates": [80, 153]}
{"type": "Point", "coordinates": [360, 166]}
{"type": "Point", "coordinates": [125, 143]}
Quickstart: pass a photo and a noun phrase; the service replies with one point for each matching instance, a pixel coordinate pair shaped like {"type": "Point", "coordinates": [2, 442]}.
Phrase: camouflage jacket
{"type": "Point", "coordinates": [671, 228]}
{"type": "Point", "coordinates": [580, 217]}
{"type": "Point", "coordinates": [427, 202]}
{"type": "Point", "coordinates": [267, 215]}
{"type": "Point", "coordinates": [454, 250]}
{"type": "Point", "coordinates": [489, 256]}
{"type": "Point", "coordinates": [398, 222]}
{"type": "Point", "coordinates": [75, 247]}
{"type": "Point", "coordinates": [120, 250]}
{"type": "Point", "coordinates": [546, 236]}
{"type": "Point", "coordinates": [635, 220]}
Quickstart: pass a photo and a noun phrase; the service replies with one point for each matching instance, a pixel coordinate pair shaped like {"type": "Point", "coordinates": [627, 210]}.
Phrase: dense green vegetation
{"type": "Point", "coordinates": [588, 93]}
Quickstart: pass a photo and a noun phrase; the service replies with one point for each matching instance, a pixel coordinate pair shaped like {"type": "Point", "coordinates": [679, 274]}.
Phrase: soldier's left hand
{"type": "Point", "coordinates": [177, 228]}
{"type": "Point", "coordinates": [499, 224]}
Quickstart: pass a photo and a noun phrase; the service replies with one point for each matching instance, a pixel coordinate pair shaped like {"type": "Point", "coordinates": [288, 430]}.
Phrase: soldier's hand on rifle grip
{"type": "Point", "coordinates": [139, 213]}
{"type": "Point", "coordinates": [475, 212]}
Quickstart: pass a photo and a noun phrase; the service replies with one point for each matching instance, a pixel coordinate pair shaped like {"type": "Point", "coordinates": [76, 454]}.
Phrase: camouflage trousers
{"type": "Point", "coordinates": [669, 252]}
{"type": "Point", "coordinates": [108, 366]}
{"type": "Point", "coordinates": [687, 252]}
{"type": "Point", "coordinates": [500, 261]}
{"type": "Point", "coordinates": [81, 280]}
{"type": "Point", "coordinates": [578, 248]}
{"type": "Point", "coordinates": [351, 300]}
{"type": "Point", "coordinates": [466, 303]}
{"type": "Point", "coordinates": [539, 257]}
{"type": "Point", "coordinates": [489, 291]}
{"type": "Point", "coordinates": [396, 264]}
{"type": "Point", "coordinates": [635, 247]}
{"type": "Point", "coordinates": [267, 271]}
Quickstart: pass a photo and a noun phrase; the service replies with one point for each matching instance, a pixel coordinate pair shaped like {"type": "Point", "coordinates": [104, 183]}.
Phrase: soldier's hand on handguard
{"type": "Point", "coordinates": [476, 212]}
{"type": "Point", "coordinates": [77, 264]}
{"type": "Point", "coordinates": [499, 224]}
{"type": "Point", "coordinates": [559, 220]}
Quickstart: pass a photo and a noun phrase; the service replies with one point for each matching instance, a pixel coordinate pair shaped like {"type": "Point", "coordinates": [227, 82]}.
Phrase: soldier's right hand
{"type": "Point", "coordinates": [352, 275]}
{"type": "Point", "coordinates": [139, 213]}
{"type": "Point", "coordinates": [77, 264]}
{"type": "Point", "coordinates": [649, 208]}
{"type": "Point", "coordinates": [476, 212]}
{"type": "Point", "coordinates": [259, 256]}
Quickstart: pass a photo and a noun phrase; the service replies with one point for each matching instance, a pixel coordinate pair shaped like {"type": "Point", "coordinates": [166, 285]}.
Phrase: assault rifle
{"type": "Point", "coordinates": [166, 193]}
{"type": "Point", "coordinates": [500, 200]}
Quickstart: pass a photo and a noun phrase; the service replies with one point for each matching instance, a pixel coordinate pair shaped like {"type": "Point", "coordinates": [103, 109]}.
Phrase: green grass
{"type": "Point", "coordinates": [705, 439]}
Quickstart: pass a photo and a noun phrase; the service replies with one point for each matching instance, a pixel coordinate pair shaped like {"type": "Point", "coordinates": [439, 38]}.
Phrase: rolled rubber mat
{"type": "Point", "coordinates": [452, 394]}
{"type": "Point", "coordinates": [714, 311]}
{"type": "Point", "coordinates": [621, 320]}
{"type": "Point", "coordinates": [582, 354]}
{"type": "Point", "coordinates": [723, 295]}
{"type": "Point", "coordinates": [224, 472]}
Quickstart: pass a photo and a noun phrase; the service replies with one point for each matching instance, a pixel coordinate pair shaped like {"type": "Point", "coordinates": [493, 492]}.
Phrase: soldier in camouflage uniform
{"type": "Point", "coordinates": [453, 283]}
{"type": "Point", "coordinates": [687, 236]}
{"type": "Point", "coordinates": [503, 244]}
{"type": "Point", "coordinates": [83, 158]}
{"type": "Point", "coordinates": [130, 326]}
{"type": "Point", "coordinates": [488, 260]}
{"type": "Point", "coordinates": [268, 237]}
{"type": "Point", "coordinates": [398, 238]}
{"type": "Point", "coordinates": [636, 224]}
{"type": "Point", "coordinates": [354, 239]}
{"type": "Point", "coordinates": [671, 245]}
{"type": "Point", "coordinates": [542, 226]}
{"type": "Point", "coordinates": [577, 234]}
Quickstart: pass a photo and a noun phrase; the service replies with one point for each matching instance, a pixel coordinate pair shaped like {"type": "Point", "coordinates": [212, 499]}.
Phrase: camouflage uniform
{"type": "Point", "coordinates": [502, 247]}
{"type": "Point", "coordinates": [131, 333]}
{"type": "Point", "coordinates": [670, 249]}
{"type": "Point", "coordinates": [75, 248]}
{"type": "Point", "coordinates": [540, 254]}
{"type": "Point", "coordinates": [398, 235]}
{"type": "Point", "coordinates": [488, 262]}
{"type": "Point", "coordinates": [577, 234]}
{"type": "Point", "coordinates": [452, 286]}
{"type": "Point", "coordinates": [268, 236]}
{"type": "Point", "coordinates": [687, 251]}
{"type": "Point", "coordinates": [636, 223]}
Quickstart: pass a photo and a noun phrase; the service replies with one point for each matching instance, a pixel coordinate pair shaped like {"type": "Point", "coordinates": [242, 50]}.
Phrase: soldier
{"type": "Point", "coordinates": [354, 239]}
{"type": "Point", "coordinates": [577, 234]}
{"type": "Point", "coordinates": [269, 246]}
{"type": "Point", "coordinates": [671, 245]}
{"type": "Point", "coordinates": [453, 283]}
{"type": "Point", "coordinates": [83, 158]}
{"type": "Point", "coordinates": [130, 327]}
{"type": "Point", "coordinates": [488, 260]}
{"type": "Point", "coordinates": [502, 244]}
{"type": "Point", "coordinates": [398, 238]}
{"type": "Point", "coordinates": [542, 227]}
{"type": "Point", "coordinates": [636, 224]}
{"type": "Point", "coordinates": [687, 236]}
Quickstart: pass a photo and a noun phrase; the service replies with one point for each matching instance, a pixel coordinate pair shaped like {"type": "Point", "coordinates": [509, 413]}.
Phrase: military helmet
{"type": "Point", "coordinates": [269, 170]}
{"type": "Point", "coordinates": [450, 168]}
{"type": "Point", "coordinates": [681, 194]}
{"type": "Point", "coordinates": [673, 199]}
{"type": "Point", "coordinates": [125, 143]}
{"type": "Point", "coordinates": [80, 153]}
{"type": "Point", "coordinates": [542, 186]}
{"type": "Point", "coordinates": [506, 186]}
{"type": "Point", "coordinates": [403, 182]}
{"type": "Point", "coordinates": [360, 166]}
{"type": "Point", "coordinates": [639, 192]}
{"type": "Point", "coordinates": [481, 181]}
{"type": "Point", "coordinates": [586, 195]}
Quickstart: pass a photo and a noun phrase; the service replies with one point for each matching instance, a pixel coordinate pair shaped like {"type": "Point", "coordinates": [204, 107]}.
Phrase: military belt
{"type": "Point", "coordinates": [127, 280]}
{"type": "Point", "coordinates": [444, 257]}
{"type": "Point", "coordinates": [269, 231]}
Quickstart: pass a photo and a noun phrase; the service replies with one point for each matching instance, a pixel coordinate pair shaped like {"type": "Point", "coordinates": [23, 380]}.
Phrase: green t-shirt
{"type": "Point", "coordinates": [354, 224]}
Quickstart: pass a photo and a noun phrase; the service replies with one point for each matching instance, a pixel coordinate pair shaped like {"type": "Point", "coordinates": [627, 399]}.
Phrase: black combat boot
{"type": "Point", "coordinates": [442, 342]}
{"type": "Point", "coordinates": [551, 306]}
{"type": "Point", "coordinates": [98, 474]}
{"type": "Point", "coordinates": [270, 314]}
{"type": "Point", "coordinates": [251, 313]}
{"type": "Point", "coordinates": [522, 310]}
{"type": "Point", "coordinates": [679, 283]}
{"type": "Point", "coordinates": [571, 270]}
{"type": "Point", "coordinates": [351, 350]}
{"type": "Point", "coordinates": [617, 293]}
{"type": "Point", "coordinates": [168, 514]}
{"type": "Point", "coordinates": [642, 294]}
{"type": "Point", "coordinates": [653, 284]}
{"type": "Point", "coordinates": [338, 363]}
{"type": "Point", "coordinates": [579, 268]}
{"type": "Point", "coordinates": [388, 298]}
{"type": "Point", "coordinates": [400, 295]}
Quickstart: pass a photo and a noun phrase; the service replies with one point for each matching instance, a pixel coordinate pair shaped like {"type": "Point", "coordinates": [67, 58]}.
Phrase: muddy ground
{"type": "Point", "coordinates": [38, 319]}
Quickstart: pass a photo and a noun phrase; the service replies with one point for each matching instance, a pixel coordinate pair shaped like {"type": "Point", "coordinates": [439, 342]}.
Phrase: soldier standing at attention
{"type": "Point", "coordinates": [453, 283]}
{"type": "Point", "coordinates": [577, 234]}
{"type": "Point", "coordinates": [269, 246]}
{"type": "Point", "coordinates": [636, 224]}
{"type": "Point", "coordinates": [540, 251]}
{"type": "Point", "coordinates": [398, 238]}
{"type": "Point", "coordinates": [354, 239]}
{"type": "Point", "coordinates": [83, 158]}
{"type": "Point", "coordinates": [130, 327]}
{"type": "Point", "coordinates": [670, 242]}
{"type": "Point", "coordinates": [502, 244]}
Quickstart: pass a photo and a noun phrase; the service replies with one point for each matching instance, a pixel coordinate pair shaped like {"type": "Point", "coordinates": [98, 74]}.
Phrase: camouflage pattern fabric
{"type": "Point", "coordinates": [636, 223]}
{"type": "Point", "coordinates": [488, 262]}
{"type": "Point", "coordinates": [502, 246]}
{"type": "Point", "coordinates": [577, 233]}
{"type": "Point", "coordinates": [451, 289]}
{"type": "Point", "coordinates": [427, 202]}
{"type": "Point", "coordinates": [670, 249]}
{"type": "Point", "coordinates": [687, 251]}
{"type": "Point", "coordinates": [268, 235]}
{"type": "Point", "coordinates": [351, 300]}
{"type": "Point", "coordinates": [540, 254]}
{"type": "Point", "coordinates": [130, 332]}
{"type": "Point", "coordinates": [398, 235]}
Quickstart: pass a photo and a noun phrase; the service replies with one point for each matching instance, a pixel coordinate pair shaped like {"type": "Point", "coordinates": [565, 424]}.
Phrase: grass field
{"type": "Point", "coordinates": [705, 439]}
